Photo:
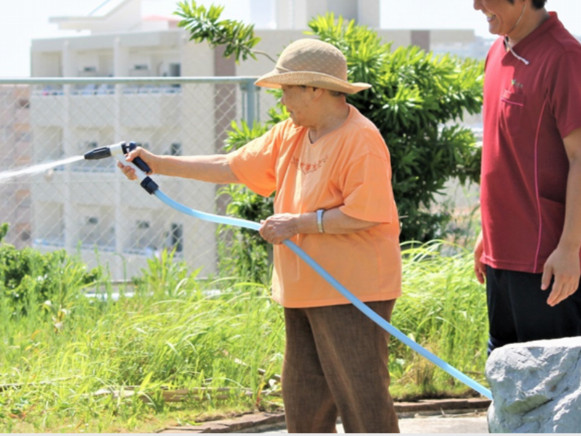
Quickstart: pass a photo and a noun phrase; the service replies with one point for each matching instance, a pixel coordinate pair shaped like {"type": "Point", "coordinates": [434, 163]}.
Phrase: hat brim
{"type": "Point", "coordinates": [276, 80]}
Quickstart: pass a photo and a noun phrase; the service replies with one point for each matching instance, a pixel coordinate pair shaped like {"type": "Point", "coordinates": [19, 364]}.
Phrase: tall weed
{"type": "Point", "coordinates": [443, 307]}
{"type": "Point", "coordinates": [109, 365]}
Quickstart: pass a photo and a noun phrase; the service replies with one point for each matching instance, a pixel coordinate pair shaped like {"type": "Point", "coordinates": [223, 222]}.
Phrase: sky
{"type": "Point", "coordinates": [21, 21]}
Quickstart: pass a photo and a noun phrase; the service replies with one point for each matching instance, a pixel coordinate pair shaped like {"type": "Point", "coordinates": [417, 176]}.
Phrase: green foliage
{"type": "Point", "coordinates": [416, 101]}
{"type": "Point", "coordinates": [166, 275]}
{"type": "Point", "coordinates": [220, 346]}
{"type": "Point", "coordinates": [443, 308]}
{"type": "Point", "coordinates": [245, 254]}
{"type": "Point", "coordinates": [29, 278]}
{"type": "Point", "coordinates": [3, 231]}
{"type": "Point", "coordinates": [205, 25]}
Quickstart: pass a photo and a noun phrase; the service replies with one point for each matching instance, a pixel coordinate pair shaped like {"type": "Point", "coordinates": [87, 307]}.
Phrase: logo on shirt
{"type": "Point", "coordinates": [516, 84]}
{"type": "Point", "coordinates": [306, 167]}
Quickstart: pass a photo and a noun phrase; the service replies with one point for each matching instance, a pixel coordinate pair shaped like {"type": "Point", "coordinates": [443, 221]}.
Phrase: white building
{"type": "Point", "coordinates": [16, 151]}
{"type": "Point", "coordinates": [91, 206]}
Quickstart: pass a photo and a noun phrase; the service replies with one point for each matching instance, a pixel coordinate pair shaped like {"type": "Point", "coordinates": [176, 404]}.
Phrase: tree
{"type": "Point", "coordinates": [417, 101]}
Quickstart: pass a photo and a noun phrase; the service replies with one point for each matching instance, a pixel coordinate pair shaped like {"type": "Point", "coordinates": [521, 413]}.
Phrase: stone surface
{"type": "Point", "coordinates": [465, 415]}
{"type": "Point", "coordinates": [536, 387]}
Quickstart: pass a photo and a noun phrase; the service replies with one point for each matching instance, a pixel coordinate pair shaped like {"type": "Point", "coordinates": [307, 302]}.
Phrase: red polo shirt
{"type": "Point", "coordinates": [528, 109]}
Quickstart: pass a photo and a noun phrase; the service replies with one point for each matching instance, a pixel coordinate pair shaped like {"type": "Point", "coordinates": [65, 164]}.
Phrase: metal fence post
{"type": "Point", "coordinates": [251, 110]}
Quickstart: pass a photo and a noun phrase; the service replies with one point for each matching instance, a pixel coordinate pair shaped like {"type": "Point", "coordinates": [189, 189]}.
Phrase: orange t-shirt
{"type": "Point", "coordinates": [348, 168]}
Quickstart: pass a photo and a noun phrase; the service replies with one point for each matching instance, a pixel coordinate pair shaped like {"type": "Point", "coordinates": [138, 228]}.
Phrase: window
{"type": "Point", "coordinates": [142, 224]}
{"type": "Point", "coordinates": [176, 149]}
{"type": "Point", "coordinates": [177, 237]}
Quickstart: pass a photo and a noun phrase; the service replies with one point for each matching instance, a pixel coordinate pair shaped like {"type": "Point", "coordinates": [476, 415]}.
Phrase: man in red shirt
{"type": "Point", "coordinates": [529, 249]}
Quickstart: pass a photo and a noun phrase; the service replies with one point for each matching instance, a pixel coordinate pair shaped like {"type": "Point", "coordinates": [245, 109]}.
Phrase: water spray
{"type": "Point", "coordinates": [36, 169]}
{"type": "Point", "coordinates": [141, 168]}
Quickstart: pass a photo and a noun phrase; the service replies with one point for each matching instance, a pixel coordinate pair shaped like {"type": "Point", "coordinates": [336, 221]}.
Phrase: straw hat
{"type": "Point", "coordinates": [311, 62]}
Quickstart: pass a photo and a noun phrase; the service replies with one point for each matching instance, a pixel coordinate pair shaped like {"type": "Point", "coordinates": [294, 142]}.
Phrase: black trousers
{"type": "Point", "coordinates": [518, 310]}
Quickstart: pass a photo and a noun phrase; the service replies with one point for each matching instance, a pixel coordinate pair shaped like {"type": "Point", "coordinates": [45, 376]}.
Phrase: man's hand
{"type": "Point", "coordinates": [479, 267]}
{"type": "Point", "coordinates": [563, 265]}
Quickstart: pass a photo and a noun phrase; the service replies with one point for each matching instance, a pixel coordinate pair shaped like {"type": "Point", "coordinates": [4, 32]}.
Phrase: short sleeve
{"type": "Point", "coordinates": [254, 164]}
{"type": "Point", "coordinates": [367, 184]}
{"type": "Point", "coordinates": [565, 92]}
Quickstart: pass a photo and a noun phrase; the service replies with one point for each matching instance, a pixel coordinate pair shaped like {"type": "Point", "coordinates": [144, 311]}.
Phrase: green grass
{"type": "Point", "coordinates": [443, 308]}
{"type": "Point", "coordinates": [92, 365]}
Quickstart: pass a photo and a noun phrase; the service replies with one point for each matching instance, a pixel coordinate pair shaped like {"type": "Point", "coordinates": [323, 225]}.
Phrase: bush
{"type": "Point", "coordinates": [244, 253]}
{"type": "Point", "coordinates": [29, 278]}
{"type": "Point", "coordinates": [416, 101]}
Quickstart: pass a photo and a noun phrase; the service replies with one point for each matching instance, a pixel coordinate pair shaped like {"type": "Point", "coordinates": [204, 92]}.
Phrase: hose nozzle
{"type": "Point", "coordinates": [98, 153]}
{"type": "Point", "coordinates": [119, 151]}
{"type": "Point", "coordinates": [121, 148]}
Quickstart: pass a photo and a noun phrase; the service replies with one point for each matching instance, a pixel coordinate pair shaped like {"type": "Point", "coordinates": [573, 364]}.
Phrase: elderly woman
{"type": "Point", "coordinates": [330, 169]}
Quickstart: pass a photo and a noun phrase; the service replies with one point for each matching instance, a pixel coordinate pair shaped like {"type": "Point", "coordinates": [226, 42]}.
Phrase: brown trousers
{"type": "Point", "coordinates": [335, 364]}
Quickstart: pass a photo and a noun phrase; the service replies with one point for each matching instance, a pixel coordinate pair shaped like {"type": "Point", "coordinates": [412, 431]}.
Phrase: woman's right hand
{"type": "Point", "coordinates": [149, 158]}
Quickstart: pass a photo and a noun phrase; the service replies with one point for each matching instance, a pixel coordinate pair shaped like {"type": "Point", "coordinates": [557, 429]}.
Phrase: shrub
{"type": "Point", "coordinates": [416, 101]}
{"type": "Point", "coordinates": [29, 278]}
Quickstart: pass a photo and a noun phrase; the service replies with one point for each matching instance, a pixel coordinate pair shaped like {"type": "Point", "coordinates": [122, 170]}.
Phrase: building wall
{"type": "Point", "coordinates": [15, 151]}
{"type": "Point", "coordinates": [156, 118]}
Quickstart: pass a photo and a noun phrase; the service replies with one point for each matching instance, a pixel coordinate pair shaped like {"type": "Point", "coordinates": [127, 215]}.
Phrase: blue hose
{"type": "Point", "coordinates": [331, 280]}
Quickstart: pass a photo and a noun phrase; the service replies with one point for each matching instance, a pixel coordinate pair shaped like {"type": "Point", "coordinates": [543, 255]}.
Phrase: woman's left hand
{"type": "Point", "coordinates": [276, 228]}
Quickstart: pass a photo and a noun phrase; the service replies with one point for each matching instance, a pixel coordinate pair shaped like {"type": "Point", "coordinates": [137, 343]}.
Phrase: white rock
{"type": "Point", "coordinates": [536, 387]}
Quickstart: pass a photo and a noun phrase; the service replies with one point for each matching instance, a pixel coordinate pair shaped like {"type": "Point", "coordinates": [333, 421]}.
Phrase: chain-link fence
{"type": "Point", "coordinates": [54, 199]}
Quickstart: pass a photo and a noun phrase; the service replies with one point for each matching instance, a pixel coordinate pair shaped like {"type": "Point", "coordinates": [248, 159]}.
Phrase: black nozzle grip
{"type": "Point", "coordinates": [140, 163]}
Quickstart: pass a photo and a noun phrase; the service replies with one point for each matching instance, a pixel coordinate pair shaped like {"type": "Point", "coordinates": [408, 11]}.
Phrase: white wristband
{"type": "Point", "coordinates": [320, 213]}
